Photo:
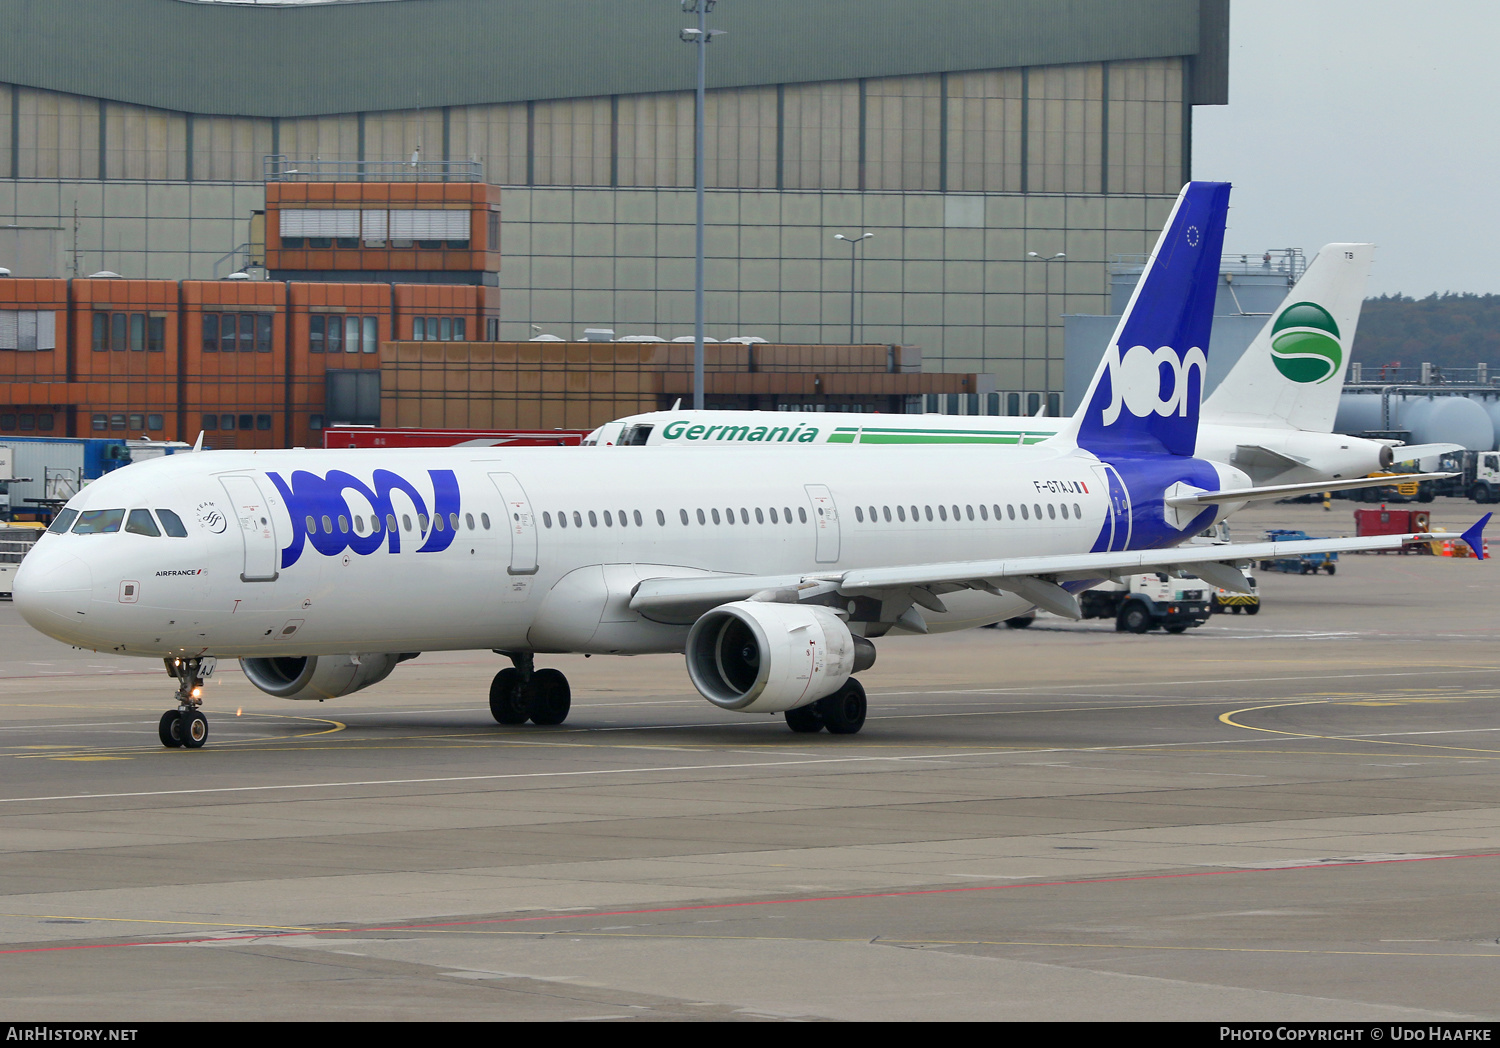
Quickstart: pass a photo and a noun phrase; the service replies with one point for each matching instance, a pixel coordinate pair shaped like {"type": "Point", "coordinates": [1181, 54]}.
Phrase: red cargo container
{"type": "Point", "coordinates": [1390, 521]}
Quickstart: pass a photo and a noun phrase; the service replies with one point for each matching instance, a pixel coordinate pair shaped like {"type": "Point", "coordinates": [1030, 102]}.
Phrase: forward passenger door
{"type": "Point", "coordinates": [248, 508]}
{"type": "Point", "coordinates": [520, 522]}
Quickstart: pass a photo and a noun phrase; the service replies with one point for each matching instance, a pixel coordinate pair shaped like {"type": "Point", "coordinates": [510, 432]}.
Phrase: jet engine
{"type": "Point", "coordinates": [320, 676]}
{"type": "Point", "coordinates": [756, 657]}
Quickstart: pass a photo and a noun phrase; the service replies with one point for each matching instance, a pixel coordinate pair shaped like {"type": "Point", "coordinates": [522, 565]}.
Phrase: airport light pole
{"type": "Point", "coordinates": [700, 37]}
{"type": "Point", "coordinates": [1032, 256]}
{"type": "Point", "coordinates": [853, 243]}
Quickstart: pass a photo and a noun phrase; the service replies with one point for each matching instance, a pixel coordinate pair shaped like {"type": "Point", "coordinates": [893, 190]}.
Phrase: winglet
{"type": "Point", "coordinates": [198, 444]}
{"type": "Point", "coordinates": [1475, 536]}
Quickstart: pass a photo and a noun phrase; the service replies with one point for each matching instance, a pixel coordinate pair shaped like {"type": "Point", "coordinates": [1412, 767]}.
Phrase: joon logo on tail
{"type": "Point", "coordinates": [339, 512]}
{"type": "Point", "coordinates": [1145, 396]}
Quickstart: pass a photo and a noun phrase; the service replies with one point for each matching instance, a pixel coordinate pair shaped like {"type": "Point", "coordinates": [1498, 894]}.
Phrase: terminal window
{"type": "Point", "coordinates": [28, 330]}
{"type": "Point", "coordinates": [242, 332]}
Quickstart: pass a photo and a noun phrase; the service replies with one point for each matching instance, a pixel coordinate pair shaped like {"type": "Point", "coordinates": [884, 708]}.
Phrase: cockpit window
{"type": "Point", "coordinates": [171, 523]}
{"type": "Point", "coordinates": [63, 521]}
{"type": "Point", "coordinates": [98, 521]}
{"type": "Point", "coordinates": [141, 523]}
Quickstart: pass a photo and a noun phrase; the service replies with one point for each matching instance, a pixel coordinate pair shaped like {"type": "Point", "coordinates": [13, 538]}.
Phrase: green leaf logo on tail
{"type": "Point", "coordinates": [1304, 343]}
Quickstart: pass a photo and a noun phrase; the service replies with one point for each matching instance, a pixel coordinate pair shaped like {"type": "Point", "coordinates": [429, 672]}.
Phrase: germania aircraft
{"type": "Point", "coordinates": [771, 568]}
{"type": "Point", "coordinates": [1271, 416]}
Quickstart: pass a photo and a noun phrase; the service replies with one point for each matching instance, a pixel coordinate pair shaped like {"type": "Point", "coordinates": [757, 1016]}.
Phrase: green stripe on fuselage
{"type": "Point", "coordinates": [883, 435]}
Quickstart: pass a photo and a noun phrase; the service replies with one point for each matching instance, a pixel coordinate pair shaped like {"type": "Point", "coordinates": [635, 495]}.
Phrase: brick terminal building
{"type": "Point", "coordinates": [264, 364]}
{"type": "Point", "coordinates": [252, 363]}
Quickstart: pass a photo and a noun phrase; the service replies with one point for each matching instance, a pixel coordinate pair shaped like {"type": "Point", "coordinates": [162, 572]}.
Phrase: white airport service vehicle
{"type": "Point", "coordinates": [1150, 600]}
{"type": "Point", "coordinates": [772, 568]}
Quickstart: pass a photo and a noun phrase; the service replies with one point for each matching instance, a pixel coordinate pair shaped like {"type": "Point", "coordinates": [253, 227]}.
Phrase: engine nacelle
{"type": "Point", "coordinates": [320, 676]}
{"type": "Point", "coordinates": [756, 657]}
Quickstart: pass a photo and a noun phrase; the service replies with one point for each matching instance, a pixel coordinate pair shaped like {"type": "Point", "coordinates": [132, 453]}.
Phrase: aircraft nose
{"type": "Point", "coordinates": [51, 590]}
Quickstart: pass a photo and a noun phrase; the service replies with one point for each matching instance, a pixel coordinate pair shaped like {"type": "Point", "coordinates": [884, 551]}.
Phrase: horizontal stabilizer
{"type": "Point", "coordinates": [1281, 491]}
{"type": "Point", "coordinates": [1412, 452]}
{"type": "Point", "coordinates": [1262, 463]}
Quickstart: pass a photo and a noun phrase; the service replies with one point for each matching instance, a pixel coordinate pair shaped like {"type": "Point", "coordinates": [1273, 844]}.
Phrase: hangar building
{"type": "Point", "coordinates": [140, 137]}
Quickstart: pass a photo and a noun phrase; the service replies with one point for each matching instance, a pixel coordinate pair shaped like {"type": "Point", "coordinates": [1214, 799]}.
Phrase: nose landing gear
{"type": "Point", "coordinates": [186, 726]}
{"type": "Point", "coordinates": [521, 693]}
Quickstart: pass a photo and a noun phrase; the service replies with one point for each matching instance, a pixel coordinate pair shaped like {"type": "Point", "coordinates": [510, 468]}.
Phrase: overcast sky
{"type": "Point", "coordinates": [1364, 120]}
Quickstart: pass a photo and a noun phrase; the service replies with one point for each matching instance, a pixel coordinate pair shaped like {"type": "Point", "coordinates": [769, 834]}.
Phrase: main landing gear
{"type": "Point", "coordinates": [842, 713]}
{"type": "Point", "coordinates": [186, 726]}
{"type": "Point", "coordinates": [521, 693]}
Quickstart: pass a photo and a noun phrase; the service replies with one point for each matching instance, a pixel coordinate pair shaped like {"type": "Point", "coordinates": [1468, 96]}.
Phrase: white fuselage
{"type": "Point", "coordinates": [510, 576]}
{"type": "Point", "coordinates": [1311, 456]}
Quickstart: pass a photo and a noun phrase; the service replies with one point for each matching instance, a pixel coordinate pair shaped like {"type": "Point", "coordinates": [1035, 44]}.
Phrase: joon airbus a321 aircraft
{"type": "Point", "coordinates": [771, 568]}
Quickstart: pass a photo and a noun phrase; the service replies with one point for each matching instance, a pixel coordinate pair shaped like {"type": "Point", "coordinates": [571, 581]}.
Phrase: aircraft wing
{"type": "Point", "coordinates": [1037, 579]}
{"type": "Point", "coordinates": [1281, 491]}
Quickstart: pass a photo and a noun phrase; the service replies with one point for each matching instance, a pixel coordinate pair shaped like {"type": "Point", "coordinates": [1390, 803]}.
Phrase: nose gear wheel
{"type": "Point", "coordinates": [170, 729]}
{"type": "Point", "coordinates": [185, 727]}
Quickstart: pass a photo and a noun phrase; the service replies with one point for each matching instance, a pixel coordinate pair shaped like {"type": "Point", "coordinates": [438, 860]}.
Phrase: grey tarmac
{"type": "Point", "coordinates": [1291, 816]}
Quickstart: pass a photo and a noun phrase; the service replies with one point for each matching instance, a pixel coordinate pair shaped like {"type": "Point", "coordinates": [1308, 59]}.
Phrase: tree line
{"type": "Point", "coordinates": [1450, 330]}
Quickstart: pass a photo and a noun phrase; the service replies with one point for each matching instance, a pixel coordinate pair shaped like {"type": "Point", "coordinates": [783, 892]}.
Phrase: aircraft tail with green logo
{"type": "Point", "coordinates": [1293, 372]}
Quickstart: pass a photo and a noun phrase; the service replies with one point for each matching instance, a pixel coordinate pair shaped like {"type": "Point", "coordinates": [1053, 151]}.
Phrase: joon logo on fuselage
{"type": "Point", "coordinates": [322, 514]}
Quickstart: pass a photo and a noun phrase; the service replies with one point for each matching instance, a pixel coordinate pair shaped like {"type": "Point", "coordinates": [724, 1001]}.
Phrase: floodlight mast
{"type": "Point", "coordinates": [853, 243]}
{"type": "Point", "coordinates": [700, 37]}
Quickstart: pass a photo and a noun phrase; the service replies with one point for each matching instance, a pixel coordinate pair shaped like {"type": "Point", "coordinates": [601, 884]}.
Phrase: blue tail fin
{"type": "Point", "coordinates": [1144, 398]}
